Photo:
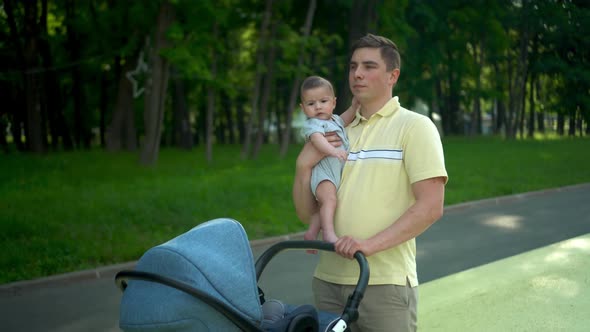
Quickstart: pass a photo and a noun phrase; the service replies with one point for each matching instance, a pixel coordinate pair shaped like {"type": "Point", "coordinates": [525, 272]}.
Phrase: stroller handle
{"type": "Point", "coordinates": [350, 313]}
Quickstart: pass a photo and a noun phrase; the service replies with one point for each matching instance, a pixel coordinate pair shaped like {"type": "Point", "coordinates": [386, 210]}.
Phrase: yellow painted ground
{"type": "Point", "coordinates": [547, 289]}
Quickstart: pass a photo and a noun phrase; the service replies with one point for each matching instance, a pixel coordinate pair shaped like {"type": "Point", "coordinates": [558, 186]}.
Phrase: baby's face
{"type": "Point", "coordinates": [318, 103]}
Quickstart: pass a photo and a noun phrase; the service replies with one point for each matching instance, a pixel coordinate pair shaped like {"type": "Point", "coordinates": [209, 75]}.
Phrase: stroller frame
{"type": "Point", "coordinates": [349, 314]}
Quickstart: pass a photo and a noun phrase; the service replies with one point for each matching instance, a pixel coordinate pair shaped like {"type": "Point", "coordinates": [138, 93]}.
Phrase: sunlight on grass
{"type": "Point", "coordinates": [61, 212]}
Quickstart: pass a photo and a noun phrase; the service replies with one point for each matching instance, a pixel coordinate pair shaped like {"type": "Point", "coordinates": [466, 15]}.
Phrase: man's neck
{"type": "Point", "coordinates": [371, 107]}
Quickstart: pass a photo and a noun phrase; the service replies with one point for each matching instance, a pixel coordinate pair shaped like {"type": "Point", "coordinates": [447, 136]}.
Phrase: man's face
{"type": "Point", "coordinates": [368, 76]}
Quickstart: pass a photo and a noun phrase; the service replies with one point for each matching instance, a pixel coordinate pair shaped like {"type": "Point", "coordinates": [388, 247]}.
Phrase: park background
{"type": "Point", "coordinates": [126, 123]}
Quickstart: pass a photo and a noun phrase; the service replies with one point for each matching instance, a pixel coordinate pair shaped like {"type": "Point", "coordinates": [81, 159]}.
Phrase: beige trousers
{"type": "Point", "coordinates": [384, 308]}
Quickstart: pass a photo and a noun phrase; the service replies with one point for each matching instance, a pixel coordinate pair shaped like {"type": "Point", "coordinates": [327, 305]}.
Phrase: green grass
{"type": "Point", "coordinates": [63, 212]}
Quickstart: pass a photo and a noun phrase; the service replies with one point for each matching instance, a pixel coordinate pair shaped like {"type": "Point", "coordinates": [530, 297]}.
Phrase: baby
{"type": "Point", "coordinates": [318, 102]}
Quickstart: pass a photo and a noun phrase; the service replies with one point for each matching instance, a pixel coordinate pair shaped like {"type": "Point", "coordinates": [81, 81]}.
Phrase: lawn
{"type": "Point", "coordinates": [67, 211]}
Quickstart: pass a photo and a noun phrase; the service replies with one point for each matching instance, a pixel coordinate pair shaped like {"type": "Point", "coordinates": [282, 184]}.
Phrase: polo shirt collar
{"type": "Point", "coordinates": [387, 110]}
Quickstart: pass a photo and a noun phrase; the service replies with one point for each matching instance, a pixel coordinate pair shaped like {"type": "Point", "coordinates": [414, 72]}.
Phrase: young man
{"type": "Point", "coordinates": [392, 190]}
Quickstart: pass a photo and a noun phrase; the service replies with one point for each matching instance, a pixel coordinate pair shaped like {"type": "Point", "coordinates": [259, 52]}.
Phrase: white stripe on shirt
{"type": "Point", "coordinates": [376, 154]}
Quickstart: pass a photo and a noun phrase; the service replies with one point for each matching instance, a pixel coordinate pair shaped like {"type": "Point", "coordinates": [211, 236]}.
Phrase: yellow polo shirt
{"type": "Point", "coordinates": [388, 152]}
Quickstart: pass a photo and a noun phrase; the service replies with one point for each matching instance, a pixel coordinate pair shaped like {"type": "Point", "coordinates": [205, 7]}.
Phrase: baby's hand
{"type": "Point", "coordinates": [355, 105]}
{"type": "Point", "coordinates": [341, 154]}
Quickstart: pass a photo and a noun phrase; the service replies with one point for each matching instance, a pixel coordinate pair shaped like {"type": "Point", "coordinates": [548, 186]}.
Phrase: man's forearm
{"type": "Point", "coordinates": [305, 204]}
{"type": "Point", "coordinates": [303, 199]}
{"type": "Point", "coordinates": [427, 209]}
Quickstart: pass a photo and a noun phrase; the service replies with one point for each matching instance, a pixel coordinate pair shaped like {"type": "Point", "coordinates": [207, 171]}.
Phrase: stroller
{"type": "Point", "coordinates": [206, 280]}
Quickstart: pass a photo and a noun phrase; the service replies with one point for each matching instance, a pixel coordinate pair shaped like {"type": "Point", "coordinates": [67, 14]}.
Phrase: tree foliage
{"type": "Point", "coordinates": [227, 72]}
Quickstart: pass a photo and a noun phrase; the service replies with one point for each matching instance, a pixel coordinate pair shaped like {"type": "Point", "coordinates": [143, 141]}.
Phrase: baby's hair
{"type": "Point", "coordinates": [313, 82]}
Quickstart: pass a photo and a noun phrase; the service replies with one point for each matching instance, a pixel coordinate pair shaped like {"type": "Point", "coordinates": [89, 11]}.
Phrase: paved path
{"type": "Point", "coordinates": [546, 289]}
{"type": "Point", "coordinates": [468, 235]}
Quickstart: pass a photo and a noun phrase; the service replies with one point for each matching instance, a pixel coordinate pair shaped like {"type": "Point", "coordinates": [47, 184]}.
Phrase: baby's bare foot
{"type": "Point", "coordinates": [332, 238]}
{"type": "Point", "coordinates": [310, 237]}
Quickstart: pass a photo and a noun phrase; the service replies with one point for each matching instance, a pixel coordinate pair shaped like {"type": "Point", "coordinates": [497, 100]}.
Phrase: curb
{"type": "Point", "coordinates": [512, 198]}
{"type": "Point", "coordinates": [19, 287]}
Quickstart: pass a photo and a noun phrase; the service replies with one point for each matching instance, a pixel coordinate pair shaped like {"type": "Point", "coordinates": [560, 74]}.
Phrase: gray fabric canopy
{"type": "Point", "coordinates": [214, 257]}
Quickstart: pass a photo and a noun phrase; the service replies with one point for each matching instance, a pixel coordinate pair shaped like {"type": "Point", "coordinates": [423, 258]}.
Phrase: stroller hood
{"type": "Point", "coordinates": [214, 257]}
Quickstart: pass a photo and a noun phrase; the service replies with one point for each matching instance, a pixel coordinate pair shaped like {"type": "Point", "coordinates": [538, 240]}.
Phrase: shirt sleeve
{"type": "Point", "coordinates": [423, 153]}
{"type": "Point", "coordinates": [311, 126]}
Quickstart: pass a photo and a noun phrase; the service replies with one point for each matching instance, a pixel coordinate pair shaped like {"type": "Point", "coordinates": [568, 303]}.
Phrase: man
{"type": "Point", "coordinates": [392, 190]}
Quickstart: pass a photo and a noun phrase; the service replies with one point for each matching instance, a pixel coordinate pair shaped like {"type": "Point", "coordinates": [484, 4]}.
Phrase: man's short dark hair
{"type": "Point", "coordinates": [389, 51]}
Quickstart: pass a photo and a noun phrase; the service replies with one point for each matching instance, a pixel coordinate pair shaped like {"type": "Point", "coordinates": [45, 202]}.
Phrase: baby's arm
{"type": "Point", "coordinates": [348, 115]}
{"type": "Point", "coordinates": [320, 142]}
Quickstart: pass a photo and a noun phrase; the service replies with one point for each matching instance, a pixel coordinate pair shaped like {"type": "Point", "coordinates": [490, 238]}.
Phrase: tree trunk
{"type": "Point", "coordinates": [17, 104]}
{"type": "Point", "coordinates": [121, 132]}
{"type": "Point", "coordinates": [19, 92]}
{"type": "Point", "coordinates": [52, 97]}
{"type": "Point", "coordinates": [541, 112]}
{"type": "Point", "coordinates": [103, 105]}
{"type": "Point", "coordinates": [82, 133]}
{"type": "Point", "coordinates": [226, 104]}
{"type": "Point", "coordinates": [262, 41]}
{"type": "Point", "coordinates": [531, 122]}
{"type": "Point", "coordinates": [518, 84]}
{"type": "Point", "coordinates": [156, 93]}
{"type": "Point", "coordinates": [572, 124]}
{"type": "Point", "coordinates": [362, 19]}
{"type": "Point", "coordinates": [35, 133]}
{"type": "Point", "coordinates": [182, 127]}
{"type": "Point", "coordinates": [560, 124]}
{"type": "Point", "coordinates": [453, 100]}
{"type": "Point", "coordinates": [476, 114]}
{"type": "Point", "coordinates": [240, 114]}
{"type": "Point", "coordinates": [286, 135]}
{"type": "Point", "coordinates": [211, 94]}
{"type": "Point", "coordinates": [266, 92]}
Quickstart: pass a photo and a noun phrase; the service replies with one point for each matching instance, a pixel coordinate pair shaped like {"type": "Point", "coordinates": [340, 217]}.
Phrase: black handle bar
{"type": "Point", "coordinates": [350, 313]}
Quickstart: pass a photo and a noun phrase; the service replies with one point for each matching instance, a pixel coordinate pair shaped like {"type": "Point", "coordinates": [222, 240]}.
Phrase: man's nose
{"type": "Point", "coordinates": [358, 72]}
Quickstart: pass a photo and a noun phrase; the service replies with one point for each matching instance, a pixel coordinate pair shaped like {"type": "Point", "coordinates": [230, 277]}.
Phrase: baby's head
{"type": "Point", "coordinates": [317, 98]}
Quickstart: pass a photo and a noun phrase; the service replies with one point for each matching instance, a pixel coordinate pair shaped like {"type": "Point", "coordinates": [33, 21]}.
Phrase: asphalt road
{"type": "Point", "coordinates": [468, 235]}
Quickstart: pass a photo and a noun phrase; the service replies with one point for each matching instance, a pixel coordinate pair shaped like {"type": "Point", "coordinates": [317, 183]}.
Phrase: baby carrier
{"type": "Point", "coordinates": [206, 280]}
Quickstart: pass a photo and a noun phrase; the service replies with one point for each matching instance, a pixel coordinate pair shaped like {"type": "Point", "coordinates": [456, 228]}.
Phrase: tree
{"type": "Point", "coordinates": [36, 139]}
{"type": "Point", "coordinates": [121, 133]}
{"type": "Point", "coordinates": [261, 46]}
{"type": "Point", "coordinates": [306, 30]}
{"type": "Point", "coordinates": [157, 88]}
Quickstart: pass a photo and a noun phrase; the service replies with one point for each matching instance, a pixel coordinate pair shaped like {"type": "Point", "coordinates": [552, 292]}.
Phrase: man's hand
{"type": "Point", "coordinates": [308, 157]}
{"type": "Point", "coordinates": [347, 246]}
{"type": "Point", "coordinates": [333, 139]}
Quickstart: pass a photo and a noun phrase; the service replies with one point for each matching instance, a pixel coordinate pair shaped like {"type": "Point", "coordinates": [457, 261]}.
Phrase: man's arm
{"type": "Point", "coordinates": [303, 199]}
{"type": "Point", "coordinates": [427, 209]}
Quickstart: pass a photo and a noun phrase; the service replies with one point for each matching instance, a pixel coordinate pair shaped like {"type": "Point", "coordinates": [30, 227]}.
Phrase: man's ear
{"type": "Point", "coordinates": [394, 75]}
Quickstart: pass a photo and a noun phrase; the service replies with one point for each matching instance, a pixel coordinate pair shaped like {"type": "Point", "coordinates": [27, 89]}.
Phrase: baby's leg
{"type": "Point", "coordinates": [327, 199]}
{"type": "Point", "coordinates": [314, 227]}
{"type": "Point", "coordinates": [313, 230]}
